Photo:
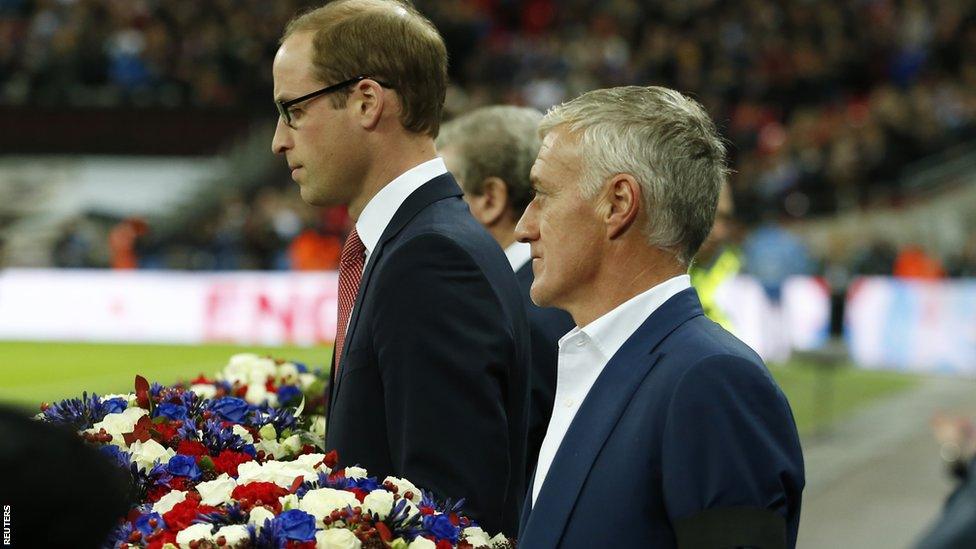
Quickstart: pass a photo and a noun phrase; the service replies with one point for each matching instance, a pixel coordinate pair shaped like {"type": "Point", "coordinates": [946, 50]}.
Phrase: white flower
{"type": "Point", "coordinates": [421, 543]}
{"type": "Point", "coordinates": [248, 369]}
{"type": "Point", "coordinates": [234, 534]}
{"type": "Point", "coordinates": [288, 502]}
{"type": "Point", "coordinates": [379, 502]}
{"type": "Point", "coordinates": [499, 540]}
{"type": "Point", "coordinates": [322, 501]}
{"type": "Point", "coordinates": [268, 432]}
{"type": "Point", "coordinates": [318, 427]}
{"type": "Point", "coordinates": [259, 515]}
{"type": "Point", "coordinates": [337, 538]}
{"type": "Point", "coordinates": [305, 380]}
{"type": "Point", "coordinates": [256, 393]}
{"type": "Point", "coordinates": [149, 452]}
{"type": "Point", "coordinates": [216, 491]}
{"type": "Point", "coordinates": [287, 373]}
{"type": "Point", "coordinates": [243, 433]}
{"type": "Point", "coordinates": [312, 460]}
{"type": "Point", "coordinates": [476, 536]}
{"type": "Point", "coordinates": [204, 390]}
{"type": "Point", "coordinates": [167, 502]}
{"type": "Point", "coordinates": [355, 472]}
{"type": "Point", "coordinates": [282, 473]}
{"type": "Point", "coordinates": [404, 486]}
{"type": "Point", "coordinates": [292, 444]}
{"type": "Point", "coordinates": [271, 448]}
{"type": "Point", "coordinates": [195, 532]}
{"type": "Point", "coordinates": [119, 424]}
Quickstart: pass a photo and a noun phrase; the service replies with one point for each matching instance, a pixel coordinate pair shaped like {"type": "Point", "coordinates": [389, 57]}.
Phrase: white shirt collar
{"type": "Point", "coordinates": [611, 330]}
{"type": "Point", "coordinates": [380, 209]}
{"type": "Point", "coordinates": [584, 353]}
{"type": "Point", "coordinates": [518, 254]}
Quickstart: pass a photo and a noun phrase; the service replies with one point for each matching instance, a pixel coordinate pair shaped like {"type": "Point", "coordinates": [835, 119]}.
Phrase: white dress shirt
{"type": "Point", "coordinates": [584, 352]}
{"type": "Point", "coordinates": [518, 254]}
{"type": "Point", "coordinates": [380, 209]}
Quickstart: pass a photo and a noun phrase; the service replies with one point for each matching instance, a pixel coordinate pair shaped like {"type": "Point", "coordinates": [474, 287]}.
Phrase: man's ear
{"type": "Point", "coordinates": [494, 201]}
{"type": "Point", "coordinates": [368, 102]}
{"type": "Point", "coordinates": [622, 204]}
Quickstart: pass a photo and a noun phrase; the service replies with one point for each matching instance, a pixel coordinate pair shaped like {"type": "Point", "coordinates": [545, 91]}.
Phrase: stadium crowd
{"type": "Point", "coordinates": [824, 103]}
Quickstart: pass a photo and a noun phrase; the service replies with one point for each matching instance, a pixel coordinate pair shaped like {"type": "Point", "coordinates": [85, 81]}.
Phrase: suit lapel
{"type": "Point", "coordinates": [596, 418]}
{"type": "Point", "coordinates": [439, 188]}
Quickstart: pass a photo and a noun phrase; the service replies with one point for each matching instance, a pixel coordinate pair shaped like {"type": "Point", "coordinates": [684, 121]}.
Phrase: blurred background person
{"type": "Point", "coordinates": [490, 151]}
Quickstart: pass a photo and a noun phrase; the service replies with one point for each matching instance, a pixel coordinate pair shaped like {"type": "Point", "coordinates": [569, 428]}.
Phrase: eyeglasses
{"type": "Point", "coordinates": [285, 106]}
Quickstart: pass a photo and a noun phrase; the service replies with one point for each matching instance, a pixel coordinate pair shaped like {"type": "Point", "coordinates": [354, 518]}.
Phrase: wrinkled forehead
{"type": "Point", "coordinates": [559, 152]}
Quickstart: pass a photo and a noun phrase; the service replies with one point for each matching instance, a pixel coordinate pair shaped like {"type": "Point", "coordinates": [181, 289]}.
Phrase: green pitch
{"type": "Point", "coordinates": [31, 373]}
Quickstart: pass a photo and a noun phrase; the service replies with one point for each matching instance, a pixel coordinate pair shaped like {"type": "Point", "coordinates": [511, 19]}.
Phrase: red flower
{"type": "Point", "coordinates": [227, 461]}
{"type": "Point", "coordinates": [359, 493]}
{"type": "Point", "coordinates": [384, 530]}
{"type": "Point", "coordinates": [201, 379]}
{"type": "Point", "coordinates": [331, 459]}
{"type": "Point", "coordinates": [241, 391]}
{"type": "Point", "coordinates": [164, 431]}
{"type": "Point", "coordinates": [140, 432]}
{"type": "Point", "coordinates": [156, 492]}
{"type": "Point", "coordinates": [444, 544]}
{"type": "Point", "coordinates": [191, 448]}
{"type": "Point", "coordinates": [295, 544]}
{"type": "Point", "coordinates": [184, 513]}
{"type": "Point", "coordinates": [179, 483]}
{"type": "Point", "coordinates": [270, 386]}
{"type": "Point", "coordinates": [258, 493]}
{"type": "Point", "coordinates": [161, 538]}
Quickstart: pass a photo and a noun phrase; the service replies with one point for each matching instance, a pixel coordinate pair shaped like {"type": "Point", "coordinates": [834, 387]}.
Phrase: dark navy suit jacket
{"type": "Point", "coordinates": [683, 426]}
{"type": "Point", "coordinates": [546, 325]}
{"type": "Point", "coordinates": [433, 384]}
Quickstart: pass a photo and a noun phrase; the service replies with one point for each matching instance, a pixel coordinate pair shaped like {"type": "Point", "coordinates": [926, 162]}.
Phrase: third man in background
{"type": "Point", "coordinates": [491, 151]}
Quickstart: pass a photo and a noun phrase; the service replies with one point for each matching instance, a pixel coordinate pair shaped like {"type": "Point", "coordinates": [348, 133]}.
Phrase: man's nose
{"type": "Point", "coordinates": [281, 141]}
{"type": "Point", "coordinates": [526, 229]}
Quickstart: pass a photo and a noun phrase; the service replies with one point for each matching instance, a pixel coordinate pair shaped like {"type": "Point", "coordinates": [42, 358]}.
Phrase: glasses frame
{"type": "Point", "coordinates": [283, 106]}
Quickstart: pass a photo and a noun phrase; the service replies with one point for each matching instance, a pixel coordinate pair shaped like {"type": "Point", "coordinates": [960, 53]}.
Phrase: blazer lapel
{"type": "Point", "coordinates": [596, 418]}
{"type": "Point", "coordinates": [439, 188]}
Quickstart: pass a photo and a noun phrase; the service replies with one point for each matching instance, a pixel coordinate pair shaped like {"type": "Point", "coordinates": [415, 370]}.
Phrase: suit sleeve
{"type": "Point", "coordinates": [444, 347]}
{"type": "Point", "coordinates": [731, 460]}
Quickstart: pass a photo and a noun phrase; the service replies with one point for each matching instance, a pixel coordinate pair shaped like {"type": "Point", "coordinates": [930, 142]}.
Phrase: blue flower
{"type": "Point", "coordinates": [301, 367]}
{"type": "Point", "coordinates": [122, 459]}
{"type": "Point", "coordinates": [115, 405]}
{"type": "Point", "coordinates": [296, 524]}
{"type": "Point", "coordinates": [142, 523]}
{"type": "Point", "coordinates": [440, 526]}
{"type": "Point", "coordinates": [231, 409]}
{"type": "Point", "coordinates": [171, 411]}
{"type": "Point", "coordinates": [288, 394]}
{"type": "Point", "coordinates": [184, 466]}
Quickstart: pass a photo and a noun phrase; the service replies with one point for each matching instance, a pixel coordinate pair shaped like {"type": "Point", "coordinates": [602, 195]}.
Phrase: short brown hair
{"type": "Point", "coordinates": [383, 39]}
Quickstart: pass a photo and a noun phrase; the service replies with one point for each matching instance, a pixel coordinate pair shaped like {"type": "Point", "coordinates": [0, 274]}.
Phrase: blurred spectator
{"type": "Point", "coordinates": [73, 249]}
{"type": "Point", "coordinates": [718, 259]}
{"type": "Point", "coordinates": [124, 242]}
{"type": "Point", "coordinates": [963, 263]}
{"type": "Point", "coordinates": [772, 254]}
{"type": "Point", "coordinates": [914, 262]}
{"type": "Point", "coordinates": [877, 259]}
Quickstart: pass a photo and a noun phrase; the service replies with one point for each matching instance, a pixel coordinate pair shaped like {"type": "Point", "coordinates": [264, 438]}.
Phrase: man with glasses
{"type": "Point", "coordinates": [430, 369]}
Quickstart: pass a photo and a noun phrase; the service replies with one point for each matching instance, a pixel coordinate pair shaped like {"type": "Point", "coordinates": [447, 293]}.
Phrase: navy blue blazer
{"type": "Point", "coordinates": [433, 383]}
{"type": "Point", "coordinates": [546, 325]}
{"type": "Point", "coordinates": [683, 424]}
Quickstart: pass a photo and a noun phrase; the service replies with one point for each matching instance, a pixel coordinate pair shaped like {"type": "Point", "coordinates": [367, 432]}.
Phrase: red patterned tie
{"type": "Point", "coordinates": [351, 264]}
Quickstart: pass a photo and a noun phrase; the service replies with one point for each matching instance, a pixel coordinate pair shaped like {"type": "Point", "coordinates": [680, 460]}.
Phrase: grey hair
{"type": "Point", "coordinates": [666, 141]}
{"type": "Point", "coordinates": [499, 141]}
